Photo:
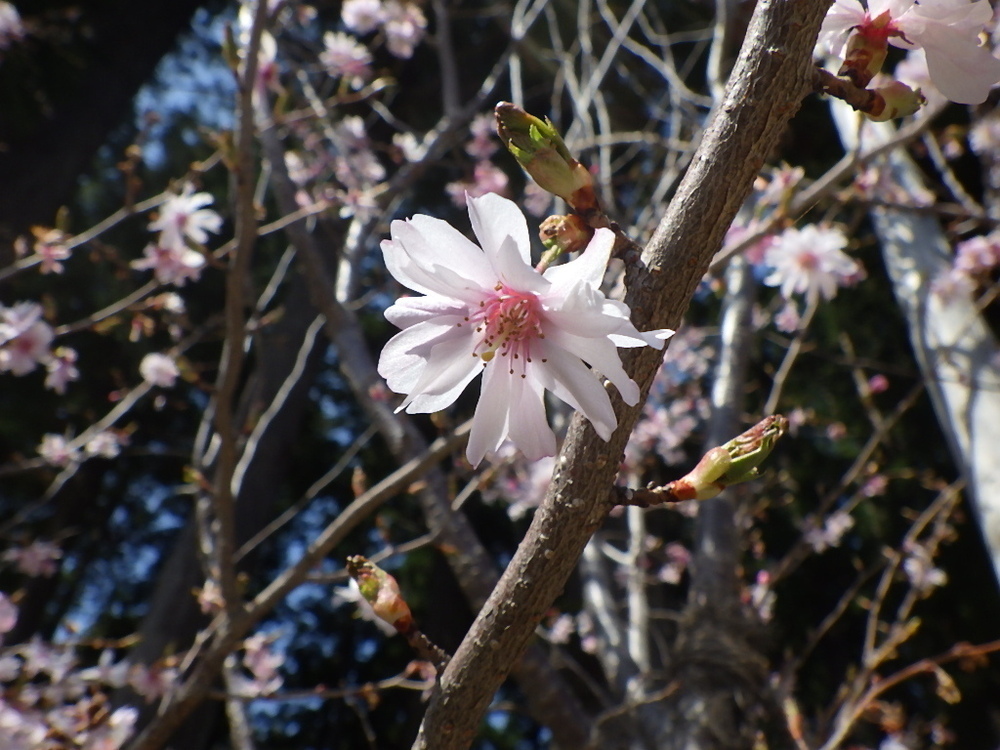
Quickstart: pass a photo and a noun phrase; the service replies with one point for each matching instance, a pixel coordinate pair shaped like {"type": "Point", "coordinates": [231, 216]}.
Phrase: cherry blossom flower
{"type": "Point", "coordinates": [810, 261]}
{"type": "Point", "coordinates": [486, 178]}
{"type": "Point", "coordinates": [830, 533]}
{"type": "Point", "coordinates": [62, 369]}
{"type": "Point", "coordinates": [24, 338]}
{"type": "Point", "coordinates": [171, 263]}
{"type": "Point", "coordinates": [362, 16]}
{"type": "Point", "coordinates": [404, 27]}
{"type": "Point", "coordinates": [36, 560]}
{"type": "Point", "coordinates": [947, 30]}
{"type": "Point", "coordinates": [344, 57]}
{"type": "Point", "coordinates": [51, 248]}
{"type": "Point", "coordinates": [55, 450]}
{"type": "Point", "coordinates": [185, 216]}
{"type": "Point", "coordinates": [488, 311]}
{"type": "Point", "coordinates": [159, 369]}
{"type": "Point", "coordinates": [8, 614]}
{"type": "Point", "coordinates": [105, 444]}
{"type": "Point", "coordinates": [11, 28]}
{"type": "Point", "coordinates": [919, 568]}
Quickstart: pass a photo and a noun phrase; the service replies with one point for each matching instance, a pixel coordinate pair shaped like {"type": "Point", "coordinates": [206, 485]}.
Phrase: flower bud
{"type": "Point", "coordinates": [866, 51]}
{"type": "Point", "coordinates": [567, 234]}
{"type": "Point", "coordinates": [895, 100]}
{"type": "Point", "coordinates": [540, 150]}
{"type": "Point", "coordinates": [381, 591]}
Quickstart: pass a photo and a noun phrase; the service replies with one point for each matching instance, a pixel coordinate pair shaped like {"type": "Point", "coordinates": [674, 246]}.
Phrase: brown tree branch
{"type": "Point", "coordinates": [772, 75]}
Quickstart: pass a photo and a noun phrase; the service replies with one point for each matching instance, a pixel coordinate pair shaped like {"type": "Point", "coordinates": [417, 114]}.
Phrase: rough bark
{"type": "Point", "coordinates": [766, 87]}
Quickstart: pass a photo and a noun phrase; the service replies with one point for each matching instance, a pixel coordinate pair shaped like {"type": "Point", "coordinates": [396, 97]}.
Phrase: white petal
{"type": "Point", "coordinates": [451, 249]}
{"type": "Point", "coordinates": [489, 423]}
{"type": "Point", "coordinates": [589, 267]}
{"type": "Point", "coordinates": [570, 380]}
{"type": "Point", "coordinates": [965, 78]}
{"type": "Point", "coordinates": [528, 427]}
{"type": "Point", "coordinates": [494, 218]}
{"type": "Point", "coordinates": [405, 355]}
{"type": "Point", "coordinates": [514, 272]}
{"type": "Point", "coordinates": [602, 355]}
{"type": "Point", "coordinates": [408, 311]}
{"type": "Point", "coordinates": [449, 369]}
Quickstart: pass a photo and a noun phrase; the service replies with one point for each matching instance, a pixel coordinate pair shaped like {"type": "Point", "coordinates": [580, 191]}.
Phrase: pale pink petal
{"type": "Point", "coordinates": [450, 368]}
{"type": "Point", "coordinates": [570, 380]}
{"type": "Point", "coordinates": [494, 218]}
{"type": "Point", "coordinates": [530, 431]}
{"type": "Point", "coordinates": [489, 424]}
{"type": "Point", "coordinates": [602, 355]}
{"type": "Point", "coordinates": [589, 266]}
{"type": "Point", "coordinates": [408, 311]}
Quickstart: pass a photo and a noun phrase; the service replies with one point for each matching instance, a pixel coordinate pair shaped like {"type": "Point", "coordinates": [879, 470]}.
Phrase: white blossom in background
{"type": "Point", "coordinates": [947, 30]}
{"type": "Point", "coordinates": [822, 538]}
{"type": "Point", "coordinates": [351, 594]}
{"type": "Point", "coordinates": [11, 28]}
{"type": "Point", "coordinates": [159, 369]}
{"type": "Point", "coordinates": [344, 57]}
{"type": "Point", "coordinates": [362, 16]}
{"type": "Point", "coordinates": [51, 247]}
{"type": "Point", "coordinates": [8, 615]}
{"type": "Point", "coordinates": [24, 338]}
{"type": "Point", "coordinates": [38, 559]}
{"type": "Point", "coordinates": [404, 27]}
{"type": "Point", "coordinates": [184, 216]}
{"type": "Point", "coordinates": [920, 569]}
{"type": "Point", "coordinates": [810, 261]}
{"type": "Point", "coordinates": [104, 444]}
{"type": "Point", "coordinates": [487, 311]}
{"type": "Point", "coordinates": [62, 369]}
{"type": "Point", "coordinates": [171, 264]}
{"type": "Point", "coordinates": [55, 450]}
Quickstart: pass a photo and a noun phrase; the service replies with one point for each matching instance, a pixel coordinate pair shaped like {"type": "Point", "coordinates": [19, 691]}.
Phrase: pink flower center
{"type": "Point", "coordinates": [508, 323]}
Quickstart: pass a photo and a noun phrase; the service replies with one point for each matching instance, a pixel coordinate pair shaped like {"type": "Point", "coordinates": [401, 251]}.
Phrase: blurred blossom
{"type": "Point", "coordinates": [762, 598]}
{"type": "Point", "coordinates": [104, 444]}
{"type": "Point", "coordinates": [484, 141]}
{"type": "Point", "coordinates": [878, 383]}
{"type": "Point", "coordinates": [184, 216]}
{"type": "Point", "coordinates": [537, 201]}
{"type": "Point", "coordinates": [171, 264]}
{"type": "Point", "coordinates": [788, 319]}
{"type": "Point", "coordinates": [562, 629]}
{"type": "Point", "coordinates": [486, 178]}
{"type": "Point", "coordinates": [106, 672]}
{"type": "Point", "coordinates": [38, 559]}
{"type": "Point", "coordinates": [836, 430]}
{"type": "Point", "coordinates": [159, 369]}
{"type": "Point", "coordinates": [952, 286]}
{"type": "Point", "coordinates": [51, 247]}
{"type": "Point", "coordinates": [781, 185]}
{"type": "Point", "coordinates": [797, 418]}
{"type": "Point", "coordinates": [678, 558]}
{"type": "Point", "coordinates": [362, 16]}
{"type": "Point", "coordinates": [56, 450]}
{"type": "Point", "coordinates": [588, 639]}
{"type": "Point", "coordinates": [875, 485]}
{"type": "Point", "coordinates": [409, 146]}
{"type": "Point", "coordinates": [810, 261]}
{"type": "Point", "coordinates": [830, 534]}
{"type": "Point", "coordinates": [356, 165]}
{"type": "Point", "coordinates": [919, 568]}
{"type": "Point", "coordinates": [24, 338]}
{"type": "Point", "coordinates": [42, 658]}
{"type": "Point", "coordinates": [404, 27]}
{"type": "Point", "coordinates": [11, 28]}
{"type": "Point", "coordinates": [522, 484]}
{"type": "Point", "coordinates": [62, 369]}
{"type": "Point", "coordinates": [984, 136]}
{"type": "Point", "coordinates": [151, 682]}
{"type": "Point", "coordinates": [8, 615]}
{"type": "Point", "coordinates": [978, 255]}
{"type": "Point", "coordinates": [344, 57]}
{"type": "Point", "coordinates": [263, 664]}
